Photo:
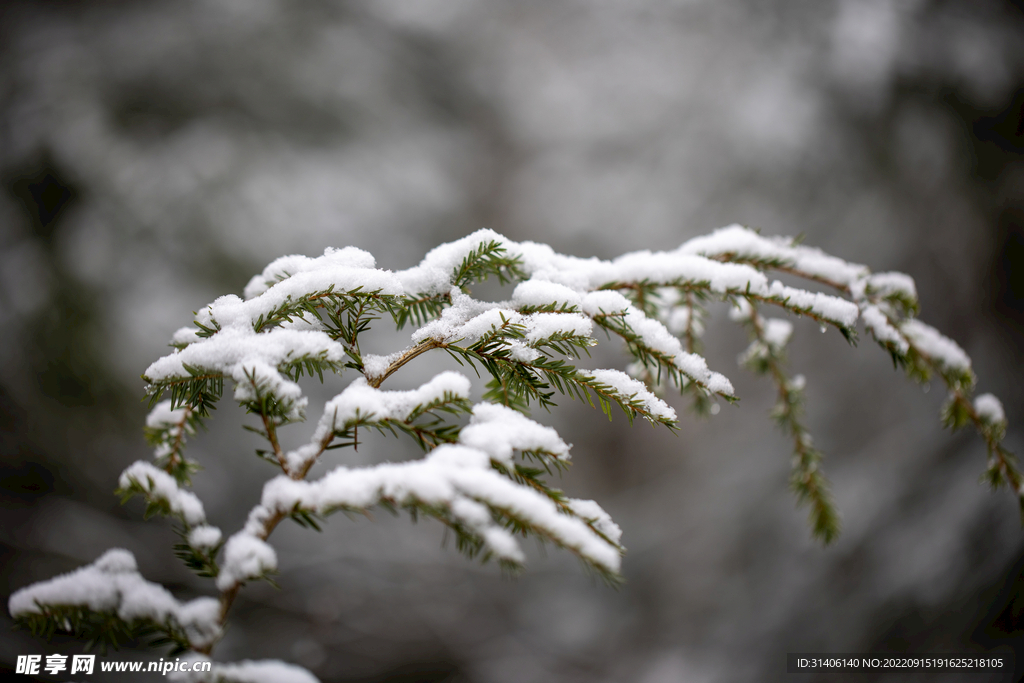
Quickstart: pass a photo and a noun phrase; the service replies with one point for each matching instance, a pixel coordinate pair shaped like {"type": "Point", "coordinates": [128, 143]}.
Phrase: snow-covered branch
{"type": "Point", "coordinates": [108, 601]}
{"type": "Point", "coordinates": [485, 480]}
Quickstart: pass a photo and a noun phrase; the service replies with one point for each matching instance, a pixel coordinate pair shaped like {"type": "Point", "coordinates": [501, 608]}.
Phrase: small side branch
{"type": "Point", "coordinates": [919, 365]}
{"type": "Point", "coordinates": [227, 597]}
{"type": "Point", "coordinates": [270, 429]}
{"type": "Point", "coordinates": [807, 479]}
{"type": "Point", "coordinates": [407, 356]}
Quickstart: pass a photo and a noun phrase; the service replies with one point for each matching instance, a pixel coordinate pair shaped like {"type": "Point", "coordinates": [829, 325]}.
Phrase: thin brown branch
{"type": "Point", "coordinates": [271, 430]}
{"type": "Point", "coordinates": [789, 270]}
{"type": "Point", "coordinates": [175, 457]}
{"type": "Point", "coordinates": [227, 597]}
{"type": "Point", "coordinates": [409, 354]}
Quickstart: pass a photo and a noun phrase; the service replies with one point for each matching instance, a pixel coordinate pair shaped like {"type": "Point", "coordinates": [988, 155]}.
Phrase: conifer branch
{"type": "Point", "coordinates": [765, 356]}
{"type": "Point", "coordinates": [108, 603]}
{"type": "Point", "coordinates": [516, 382]}
{"type": "Point", "coordinates": [419, 309]}
{"type": "Point", "coordinates": [330, 303]}
{"type": "Point", "coordinates": [199, 391]}
{"type": "Point", "coordinates": [818, 307]}
{"type": "Point", "coordinates": [423, 423]}
{"type": "Point", "coordinates": [888, 304]}
{"type": "Point", "coordinates": [166, 431]}
{"type": "Point", "coordinates": [487, 259]}
{"type": "Point", "coordinates": [264, 528]}
{"type": "Point", "coordinates": [659, 362]}
{"type": "Point", "coordinates": [485, 480]}
{"type": "Point", "coordinates": [102, 630]}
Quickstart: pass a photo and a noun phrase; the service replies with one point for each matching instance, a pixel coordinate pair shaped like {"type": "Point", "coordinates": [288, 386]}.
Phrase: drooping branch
{"type": "Point", "coordinates": [888, 304]}
{"type": "Point", "coordinates": [765, 356]}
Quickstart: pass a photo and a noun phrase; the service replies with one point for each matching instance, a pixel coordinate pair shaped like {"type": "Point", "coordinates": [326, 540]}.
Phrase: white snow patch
{"type": "Point", "coordinates": [285, 267]}
{"type": "Point", "coordinates": [542, 293]}
{"type": "Point", "coordinates": [605, 301]}
{"type": "Point", "coordinates": [877, 323]}
{"type": "Point", "coordinates": [629, 389]}
{"type": "Point", "coordinates": [682, 319]}
{"type": "Point", "coordinates": [676, 268]}
{"type": "Point", "coordinates": [541, 326]}
{"type": "Point", "coordinates": [885, 284]}
{"type": "Point", "coordinates": [264, 671]}
{"type": "Point", "coordinates": [360, 401]}
{"type": "Point", "coordinates": [433, 274]}
{"type": "Point", "coordinates": [595, 514]}
{"type": "Point", "coordinates": [162, 486]}
{"type": "Point", "coordinates": [741, 310]}
{"type": "Point", "coordinates": [185, 335]}
{"type": "Point", "coordinates": [990, 409]}
{"type": "Point", "coordinates": [930, 342]}
{"type": "Point", "coordinates": [246, 557]}
{"type": "Point", "coordinates": [519, 351]}
{"type": "Point", "coordinates": [375, 366]}
{"type": "Point", "coordinates": [831, 308]}
{"type": "Point", "coordinates": [163, 417]}
{"type": "Point", "coordinates": [742, 242]}
{"type": "Point", "coordinates": [113, 584]}
{"type": "Point", "coordinates": [777, 333]}
{"type": "Point", "coordinates": [204, 537]}
{"type": "Point", "coordinates": [498, 431]}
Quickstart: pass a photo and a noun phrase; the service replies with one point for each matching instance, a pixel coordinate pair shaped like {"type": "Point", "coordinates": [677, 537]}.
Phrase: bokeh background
{"type": "Point", "coordinates": [154, 155]}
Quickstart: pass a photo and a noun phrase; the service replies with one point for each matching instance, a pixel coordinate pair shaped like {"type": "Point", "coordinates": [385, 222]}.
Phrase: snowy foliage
{"type": "Point", "coordinates": [484, 476]}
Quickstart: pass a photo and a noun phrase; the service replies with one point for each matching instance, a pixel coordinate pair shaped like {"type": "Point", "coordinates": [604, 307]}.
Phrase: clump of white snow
{"type": "Point", "coordinates": [246, 557]}
{"type": "Point", "coordinates": [777, 333]}
{"type": "Point", "coordinates": [161, 486]}
{"type": "Point", "coordinates": [738, 241]}
{"type": "Point", "coordinates": [246, 671]}
{"type": "Point", "coordinates": [831, 308]}
{"type": "Point", "coordinates": [885, 285]}
{"type": "Point", "coordinates": [629, 390]}
{"type": "Point", "coordinates": [113, 584]}
{"type": "Point", "coordinates": [877, 323]}
{"type": "Point", "coordinates": [163, 417]}
{"type": "Point", "coordinates": [287, 266]}
{"type": "Point", "coordinates": [933, 344]}
{"type": "Point", "coordinates": [595, 514]}
{"type": "Point", "coordinates": [539, 293]}
{"type": "Point", "coordinates": [375, 366]}
{"type": "Point", "coordinates": [498, 431]}
{"type": "Point", "coordinates": [605, 302]}
{"type": "Point", "coordinates": [361, 402]}
{"type": "Point", "coordinates": [433, 274]}
{"type": "Point", "coordinates": [204, 537]}
{"type": "Point", "coordinates": [990, 409]}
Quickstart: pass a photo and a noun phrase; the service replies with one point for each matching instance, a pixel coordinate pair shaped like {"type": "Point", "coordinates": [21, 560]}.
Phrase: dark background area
{"type": "Point", "coordinates": [154, 155]}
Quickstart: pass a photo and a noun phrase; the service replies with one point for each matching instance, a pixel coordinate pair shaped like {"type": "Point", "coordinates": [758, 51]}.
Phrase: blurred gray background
{"type": "Point", "coordinates": [154, 155]}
